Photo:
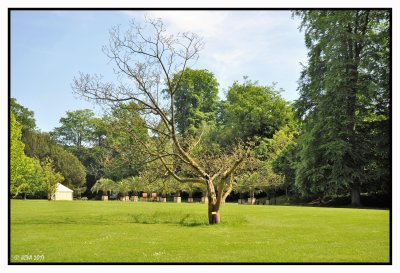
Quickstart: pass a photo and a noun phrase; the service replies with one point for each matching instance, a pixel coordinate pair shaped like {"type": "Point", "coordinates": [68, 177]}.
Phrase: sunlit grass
{"type": "Point", "coordinates": [96, 231]}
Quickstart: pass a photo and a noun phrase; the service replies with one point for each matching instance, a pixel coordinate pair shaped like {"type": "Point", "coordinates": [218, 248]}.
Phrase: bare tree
{"type": "Point", "coordinates": [146, 59]}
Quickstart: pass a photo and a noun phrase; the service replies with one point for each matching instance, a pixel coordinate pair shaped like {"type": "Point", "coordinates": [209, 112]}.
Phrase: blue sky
{"type": "Point", "coordinates": [49, 48]}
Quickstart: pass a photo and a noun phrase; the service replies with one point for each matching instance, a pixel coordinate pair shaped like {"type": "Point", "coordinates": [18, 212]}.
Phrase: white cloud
{"type": "Point", "coordinates": [259, 44]}
{"type": "Point", "coordinates": [204, 23]}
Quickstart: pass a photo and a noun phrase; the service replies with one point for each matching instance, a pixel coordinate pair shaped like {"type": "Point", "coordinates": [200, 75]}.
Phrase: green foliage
{"type": "Point", "coordinates": [269, 149]}
{"type": "Point", "coordinates": [105, 146]}
{"type": "Point", "coordinates": [130, 184]}
{"type": "Point", "coordinates": [41, 146]}
{"type": "Point", "coordinates": [258, 173]}
{"type": "Point", "coordinates": [105, 185]}
{"type": "Point", "coordinates": [25, 173]}
{"type": "Point", "coordinates": [252, 110]}
{"type": "Point", "coordinates": [122, 151]}
{"type": "Point", "coordinates": [257, 176]}
{"type": "Point", "coordinates": [37, 144]}
{"type": "Point", "coordinates": [84, 135]}
{"type": "Point", "coordinates": [77, 129]}
{"type": "Point", "coordinates": [190, 188]}
{"type": "Point", "coordinates": [16, 148]}
{"type": "Point", "coordinates": [169, 185]}
{"type": "Point", "coordinates": [344, 86]}
{"type": "Point", "coordinates": [51, 177]}
{"type": "Point", "coordinates": [69, 166]}
{"type": "Point", "coordinates": [23, 115]}
{"type": "Point", "coordinates": [196, 100]}
{"type": "Point", "coordinates": [286, 163]}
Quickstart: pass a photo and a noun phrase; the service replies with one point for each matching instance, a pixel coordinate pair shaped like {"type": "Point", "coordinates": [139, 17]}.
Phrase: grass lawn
{"type": "Point", "coordinates": [96, 231]}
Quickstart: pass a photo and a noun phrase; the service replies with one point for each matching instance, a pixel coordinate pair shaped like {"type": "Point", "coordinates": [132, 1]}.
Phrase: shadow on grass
{"type": "Point", "coordinates": [188, 220]}
{"type": "Point", "coordinates": [171, 218]}
{"type": "Point", "coordinates": [157, 218]}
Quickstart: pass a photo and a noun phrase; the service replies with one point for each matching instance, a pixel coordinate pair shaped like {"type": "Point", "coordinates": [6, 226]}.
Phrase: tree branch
{"type": "Point", "coordinates": [177, 177]}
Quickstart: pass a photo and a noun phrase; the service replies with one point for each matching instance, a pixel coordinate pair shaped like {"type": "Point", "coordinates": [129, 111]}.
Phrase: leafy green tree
{"type": "Point", "coordinates": [344, 95]}
{"type": "Point", "coordinates": [84, 135]}
{"type": "Point", "coordinates": [16, 148]}
{"type": "Point", "coordinates": [51, 177]}
{"type": "Point", "coordinates": [257, 175]}
{"type": "Point", "coordinates": [122, 151]}
{"type": "Point", "coordinates": [269, 149]}
{"type": "Point", "coordinates": [250, 182]}
{"type": "Point", "coordinates": [196, 99]}
{"type": "Point", "coordinates": [23, 115]}
{"type": "Point", "coordinates": [103, 145]}
{"type": "Point", "coordinates": [253, 110]}
{"type": "Point", "coordinates": [77, 129]}
{"type": "Point", "coordinates": [25, 172]}
{"type": "Point", "coordinates": [99, 131]}
{"type": "Point", "coordinates": [285, 164]}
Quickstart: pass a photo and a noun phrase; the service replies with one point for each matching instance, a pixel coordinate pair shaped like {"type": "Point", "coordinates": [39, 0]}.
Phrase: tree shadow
{"type": "Point", "coordinates": [187, 220]}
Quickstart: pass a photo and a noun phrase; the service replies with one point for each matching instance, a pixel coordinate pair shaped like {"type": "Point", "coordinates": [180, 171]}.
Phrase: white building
{"type": "Point", "coordinates": [63, 193]}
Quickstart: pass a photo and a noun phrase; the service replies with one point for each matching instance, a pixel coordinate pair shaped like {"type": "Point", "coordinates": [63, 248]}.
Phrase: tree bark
{"type": "Point", "coordinates": [214, 216]}
{"type": "Point", "coordinates": [355, 196]}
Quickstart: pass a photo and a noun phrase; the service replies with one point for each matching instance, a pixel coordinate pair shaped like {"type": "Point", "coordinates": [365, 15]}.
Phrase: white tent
{"type": "Point", "coordinates": [63, 193]}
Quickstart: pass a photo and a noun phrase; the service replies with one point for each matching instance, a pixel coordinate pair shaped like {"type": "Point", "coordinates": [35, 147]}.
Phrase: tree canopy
{"type": "Point", "coordinates": [253, 110]}
{"type": "Point", "coordinates": [77, 129]}
{"type": "Point", "coordinates": [23, 115]}
{"type": "Point", "coordinates": [196, 100]}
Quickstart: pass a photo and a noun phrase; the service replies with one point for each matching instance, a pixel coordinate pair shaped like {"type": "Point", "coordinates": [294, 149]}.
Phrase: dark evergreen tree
{"type": "Point", "coordinates": [41, 146]}
{"type": "Point", "coordinates": [344, 99]}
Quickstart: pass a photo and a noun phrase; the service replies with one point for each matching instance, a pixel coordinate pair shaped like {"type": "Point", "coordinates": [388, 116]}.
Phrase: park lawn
{"type": "Point", "coordinates": [114, 231]}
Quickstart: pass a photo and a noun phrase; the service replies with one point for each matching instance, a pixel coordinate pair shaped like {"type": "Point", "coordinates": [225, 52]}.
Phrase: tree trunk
{"type": "Point", "coordinates": [214, 216]}
{"type": "Point", "coordinates": [24, 195]}
{"type": "Point", "coordinates": [355, 196]}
